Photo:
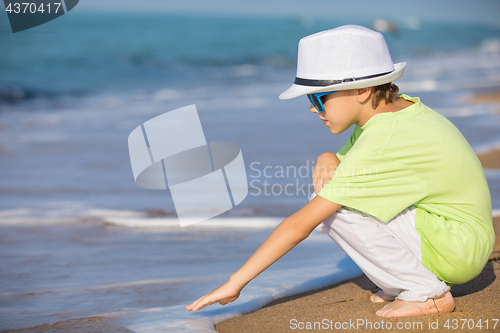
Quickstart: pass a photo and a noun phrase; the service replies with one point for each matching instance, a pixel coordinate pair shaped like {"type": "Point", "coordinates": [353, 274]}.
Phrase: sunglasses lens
{"type": "Point", "coordinates": [316, 102]}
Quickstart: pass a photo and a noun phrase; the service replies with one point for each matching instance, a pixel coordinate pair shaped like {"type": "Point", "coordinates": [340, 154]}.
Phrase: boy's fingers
{"type": "Point", "coordinates": [202, 302]}
{"type": "Point", "coordinates": [317, 186]}
{"type": "Point", "coordinates": [198, 306]}
{"type": "Point", "coordinates": [319, 180]}
{"type": "Point", "coordinates": [211, 298]}
{"type": "Point", "coordinates": [320, 183]}
{"type": "Point", "coordinates": [194, 306]}
{"type": "Point", "coordinates": [206, 302]}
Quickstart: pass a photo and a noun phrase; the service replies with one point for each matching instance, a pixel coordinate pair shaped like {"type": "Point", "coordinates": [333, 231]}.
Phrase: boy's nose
{"type": "Point", "coordinates": [313, 109]}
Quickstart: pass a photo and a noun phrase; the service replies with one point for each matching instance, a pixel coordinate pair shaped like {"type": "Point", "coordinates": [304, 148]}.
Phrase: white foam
{"type": "Point", "coordinates": [125, 218]}
{"type": "Point", "coordinates": [227, 223]}
{"type": "Point", "coordinates": [448, 85]}
{"type": "Point", "coordinates": [125, 276]}
{"type": "Point", "coordinates": [418, 86]}
{"type": "Point", "coordinates": [468, 111]}
{"type": "Point", "coordinates": [54, 213]}
{"type": "Point", "coordinates": [166, 95]}
{"type": "Point", "coordinates": [133, 219]}
{"type": "Point", "coordinates": [413, 23]}
{"type": "Point", "coordinates": [274, 283]}
{"type": "Point", "coordinates": [490, 46]}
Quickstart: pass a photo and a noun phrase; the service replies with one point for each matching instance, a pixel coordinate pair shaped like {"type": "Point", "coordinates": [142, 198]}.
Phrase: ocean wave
{"type": "Point", "coordinates": [12, 93]}
{"type": "Point", "coordinates": [80, 213]}
{"type": "Point", "coordinates": [490, 45]}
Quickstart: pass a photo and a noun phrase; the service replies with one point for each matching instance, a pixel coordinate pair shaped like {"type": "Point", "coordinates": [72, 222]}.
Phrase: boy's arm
{"type": "Point", "coordinates": [285, 237]}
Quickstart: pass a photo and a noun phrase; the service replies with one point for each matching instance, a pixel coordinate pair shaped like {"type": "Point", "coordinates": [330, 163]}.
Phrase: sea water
{"type": "Point", "coordinates": [79, 238]}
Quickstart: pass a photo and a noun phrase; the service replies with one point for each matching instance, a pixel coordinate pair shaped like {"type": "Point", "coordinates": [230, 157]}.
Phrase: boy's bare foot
{"type": "Point", "coordinates": [400, 308]}
{"type": "Point", "coordinates": [380, 297]}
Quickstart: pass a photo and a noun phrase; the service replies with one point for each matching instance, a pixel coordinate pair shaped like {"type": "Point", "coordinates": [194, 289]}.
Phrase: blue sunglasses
{"type": "Point", "coordinates": [316, 99]}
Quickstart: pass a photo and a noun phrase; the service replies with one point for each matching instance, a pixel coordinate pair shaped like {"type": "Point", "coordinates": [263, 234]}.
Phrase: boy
{"type": "Point", "coordinates": [406, 197]}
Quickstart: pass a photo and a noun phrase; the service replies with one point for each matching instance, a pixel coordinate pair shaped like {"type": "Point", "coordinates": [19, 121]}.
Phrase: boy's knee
{"type": "Point", "coordinates": [330, 157]}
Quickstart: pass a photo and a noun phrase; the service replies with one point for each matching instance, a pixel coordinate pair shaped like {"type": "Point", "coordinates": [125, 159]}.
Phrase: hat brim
{"type": "Point", "coordinates": [297, 90]}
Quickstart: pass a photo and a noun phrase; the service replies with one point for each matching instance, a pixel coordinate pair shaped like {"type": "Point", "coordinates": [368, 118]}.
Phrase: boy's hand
{"type": "Point", "coordinates": [224, 294]}
{"type": "Point", "coordinates": [293, 230]}
{"type": "Point", "coordinates": [326, 164]}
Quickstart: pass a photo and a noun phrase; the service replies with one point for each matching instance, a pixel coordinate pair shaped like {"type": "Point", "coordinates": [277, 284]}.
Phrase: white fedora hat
{"type": "Point", "coordinates": [347, 57]}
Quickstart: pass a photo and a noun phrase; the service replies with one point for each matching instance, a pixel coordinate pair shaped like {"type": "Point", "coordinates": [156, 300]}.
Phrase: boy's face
{"type": "Point", "coordinates": [341, 110]}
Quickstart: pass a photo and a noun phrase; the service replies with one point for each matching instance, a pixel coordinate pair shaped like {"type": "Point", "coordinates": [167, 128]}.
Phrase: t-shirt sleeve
{"type": "Point", "coordinates": [373, 184]}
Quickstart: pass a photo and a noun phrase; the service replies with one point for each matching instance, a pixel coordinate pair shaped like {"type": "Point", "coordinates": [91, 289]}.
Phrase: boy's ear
{"type": "Point", "coordinates": [364, 94]}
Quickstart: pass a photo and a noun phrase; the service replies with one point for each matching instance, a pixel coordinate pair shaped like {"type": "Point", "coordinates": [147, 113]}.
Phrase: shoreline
{"type": "Point", "coordinates": [339, 303]}
{"type": "Point", "coordinates": [349, 302]}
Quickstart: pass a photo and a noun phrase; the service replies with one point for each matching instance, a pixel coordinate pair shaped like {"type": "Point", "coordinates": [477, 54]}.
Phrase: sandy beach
{"type": "Point", "coordinates": [482, 98]}
{"type": "Point", "coordinates": [348, 303]}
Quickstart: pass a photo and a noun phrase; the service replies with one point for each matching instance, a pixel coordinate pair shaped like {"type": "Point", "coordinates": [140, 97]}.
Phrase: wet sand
{"type": "Point", "coordinates": [490, 159]}
{"type": "Point", "coordinates": [96, 324]}
{"type": "Point", "coordinates": [348, 303]}
{"type": "Point", "coordinates": [482, 98]}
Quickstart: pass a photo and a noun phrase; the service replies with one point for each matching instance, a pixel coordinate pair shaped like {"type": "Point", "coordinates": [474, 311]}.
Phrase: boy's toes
{"type": "Point", "coordinates": [382, 312]}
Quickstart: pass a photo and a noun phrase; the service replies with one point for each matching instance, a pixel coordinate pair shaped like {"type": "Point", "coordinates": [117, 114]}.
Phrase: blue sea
{"type": "Point", "coordinates": [78, 238]}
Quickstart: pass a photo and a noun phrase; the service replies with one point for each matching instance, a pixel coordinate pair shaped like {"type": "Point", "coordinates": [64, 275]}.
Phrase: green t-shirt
{"type": "Point", "coordinates": [416, 156]}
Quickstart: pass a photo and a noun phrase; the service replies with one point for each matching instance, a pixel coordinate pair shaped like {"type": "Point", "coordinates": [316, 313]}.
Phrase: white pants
{"type": "Point", "coordinates": [388, 253]}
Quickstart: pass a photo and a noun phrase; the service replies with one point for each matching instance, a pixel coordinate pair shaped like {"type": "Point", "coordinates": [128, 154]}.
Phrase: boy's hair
{"type": "Point", "coordinates": [387, 91]}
